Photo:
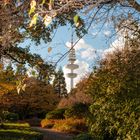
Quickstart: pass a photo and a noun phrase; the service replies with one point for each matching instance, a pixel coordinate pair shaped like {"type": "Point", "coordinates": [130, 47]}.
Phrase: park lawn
{"type": "Point", "coordinates": [19, 131]}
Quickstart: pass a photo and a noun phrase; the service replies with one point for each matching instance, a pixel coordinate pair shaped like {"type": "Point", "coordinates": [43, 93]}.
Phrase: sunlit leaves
{"type": "Point", "coordinates": [115, 89]}
{"type": "Point", "coordinates": [43, 2]}
{"type": "Point", "coordinates": [47, 20]}
{"type": "Point", "coordinates": [51, 3]}
{"type": "Point", "coordinates": [6, 87]}
{"type": "Point", "coordinates": [77, 20]}
{"type": "Point", "coordinates": [32, 10]}
{"type": "Point", "coordinates": [34, 20]}
{"type": "Point", "coordinates": [32, 7]}
{"type": "Point", "coordinates": [21, 86]}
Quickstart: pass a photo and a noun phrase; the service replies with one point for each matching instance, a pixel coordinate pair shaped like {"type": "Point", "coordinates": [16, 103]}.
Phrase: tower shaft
{"type": "Point", "coordinates": [72, 67]}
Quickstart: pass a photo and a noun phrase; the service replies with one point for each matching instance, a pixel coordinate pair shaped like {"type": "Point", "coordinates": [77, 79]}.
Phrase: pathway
{"type": "Point", "coordinates": [53, 135]}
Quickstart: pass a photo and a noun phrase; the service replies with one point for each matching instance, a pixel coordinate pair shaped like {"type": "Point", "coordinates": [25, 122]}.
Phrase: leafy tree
{"type": "Point", "coordinates": [115, 88]}
{"type": "Point", "coordinates": [15, 26]}
{"type": "Point", "coordinates": [35, 96]}
{"type": "Point", "coordinates": [20, 69]}
{"type": "Point", "coordinates": [78, 95]}
{"type": "Point", "coordinates": [37, 20]}
{"type": "Point", "coordinates": [7, 79]}
{"type": "Point", "coordinates": [23, 56]}
{"type": "Point", "coordinates": [59, 84]}
{"type": "Point", "coordinates": [7, 84]}
{"type": "Point", "coordinates": [97, 11]}
{"type": "Point", "coordinates": [21, 72]}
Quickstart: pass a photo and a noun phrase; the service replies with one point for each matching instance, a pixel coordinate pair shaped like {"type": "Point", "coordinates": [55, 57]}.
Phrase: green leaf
{"type": "Point", "coordinates": [43, 2]}
{"type": "Point", "coordinates": [76, 19]}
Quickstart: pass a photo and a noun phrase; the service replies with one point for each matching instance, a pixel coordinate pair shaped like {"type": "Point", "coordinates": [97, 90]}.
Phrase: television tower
{"type": "Point", "coordinates": [72, 67]}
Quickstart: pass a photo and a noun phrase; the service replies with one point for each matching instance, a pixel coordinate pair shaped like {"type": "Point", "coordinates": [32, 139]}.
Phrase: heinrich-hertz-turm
{"type": "Point", "coordinates": [72, 67]}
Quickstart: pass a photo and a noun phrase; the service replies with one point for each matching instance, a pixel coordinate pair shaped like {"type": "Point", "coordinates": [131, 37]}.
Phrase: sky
{"type": "Point", "coordinates": [95, 45]}
{"type": "Point", "coordinates": [88, 50]}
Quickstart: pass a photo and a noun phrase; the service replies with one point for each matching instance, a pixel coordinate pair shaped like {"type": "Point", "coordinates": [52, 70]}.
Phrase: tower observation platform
{"type": "Point", "coordinates": [72, 67]}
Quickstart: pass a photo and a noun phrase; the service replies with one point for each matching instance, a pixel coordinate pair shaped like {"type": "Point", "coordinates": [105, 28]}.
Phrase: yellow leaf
{"type": "Point", "coordinates": [23, 87]}
{"type": "Point", "coordinates": [31, 10]}
{"type": "Point", "coordinates": [40, 62]}
{"type": "Point", "coordinates": [18, 89]}
{"type": "Point", "coordinates": [34, 20]}
{"type": "Point", "coordinates": [77, 20]}
{"type": "Point", "coordinates": [43, 1]}
{"type": "Point", "coordinates": [47, 20]}
{"type": "Point", "coordinates": [33, 3]}
{"type": "Point", "coordinates": [32, 7]}
{"type": "Point", "coordinates": [49, 49]}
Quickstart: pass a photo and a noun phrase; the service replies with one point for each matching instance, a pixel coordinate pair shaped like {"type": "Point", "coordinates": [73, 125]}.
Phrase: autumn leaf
{"type": "Point", "coordinates": [51, 3]}
{"type": "Point", "coordinates": [24, 87]}
{"type": "Point", "coordinates": [34, 20]}
{"type": "Point", "coordinates": [49, 49]}
{"type": "Point", "coordinates": [32, 7]}
{"type": "Point", "coordinates": [43, 2]}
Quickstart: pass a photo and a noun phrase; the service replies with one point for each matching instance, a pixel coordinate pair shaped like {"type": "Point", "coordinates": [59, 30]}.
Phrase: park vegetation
{"type": "Point", "coordinates": [105, 105]}
{"type": "Point", "coordinates": [113, 112]}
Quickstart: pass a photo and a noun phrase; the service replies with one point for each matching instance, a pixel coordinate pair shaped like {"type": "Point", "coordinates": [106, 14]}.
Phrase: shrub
{"type": "Point", "coordinates": [9, 116]}
{"type": "Point", "coordinates": [56, 114]}
{"type": "Point", "coordinates": [12, 116]}
{"type": "Point", "coordinates": [71, 125]}
{"type": "Point", "coordinates": [83, 137]}
{"type": "Point", "coordinates": [48, 123]}
{"type": "Point", "coordinates": [77, 95]}
{"type": "Point", "coordinates": [115, 88]}
{"type": "Point", "coordinates": [34, 121]}
{"type": "Point", "coordinates": [66, 125]}
{"type": "Point", "coordinates": [79, 110]}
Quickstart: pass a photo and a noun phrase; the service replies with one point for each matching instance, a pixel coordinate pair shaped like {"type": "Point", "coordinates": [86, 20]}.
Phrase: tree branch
{"type": "Point", "coordinates": [134, 5]}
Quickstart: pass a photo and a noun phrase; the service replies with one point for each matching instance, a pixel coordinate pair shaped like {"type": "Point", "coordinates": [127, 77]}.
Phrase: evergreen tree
{"type": "Point", "coordinates": [59, 84]}
{"type": "Point", "coordinates": [21, 70]}
{"type": "Point", "coordinates": [7, 73]}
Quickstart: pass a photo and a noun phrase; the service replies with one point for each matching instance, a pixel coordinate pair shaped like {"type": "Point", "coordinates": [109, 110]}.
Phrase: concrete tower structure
{"type": "Point", "coordinates": [72, 67]}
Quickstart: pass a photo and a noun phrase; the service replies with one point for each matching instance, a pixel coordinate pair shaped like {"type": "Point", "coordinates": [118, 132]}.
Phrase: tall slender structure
{"type": "Point", "coordinates": [72, 67]}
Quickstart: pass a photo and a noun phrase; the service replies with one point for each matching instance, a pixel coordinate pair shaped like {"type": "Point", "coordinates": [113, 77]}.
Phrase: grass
{"type": "Point", "coordinates": [19, 131]}
{"type": "Point", "coordinates": [17, 124]}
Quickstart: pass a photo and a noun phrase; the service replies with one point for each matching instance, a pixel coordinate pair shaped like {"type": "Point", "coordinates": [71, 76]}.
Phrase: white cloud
{"type": "Point", "coordinates": [84, 50]}
{"type": "Point", "coordinates": [117, 44]}
{"type": "Point", "coordinates": [89, 54]}
{"type": "Point", "coordinates": [81, 72]}
{"type": "Point", "coordinates": [107, 33]}
{"type": "Point", "coordinates": [80, 45]}
{"type": "Point", "coordinates": [94, 33]}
